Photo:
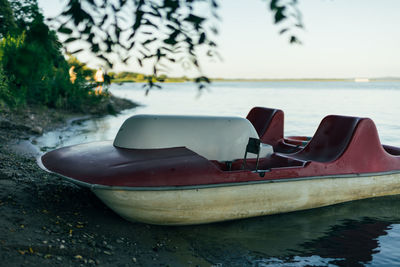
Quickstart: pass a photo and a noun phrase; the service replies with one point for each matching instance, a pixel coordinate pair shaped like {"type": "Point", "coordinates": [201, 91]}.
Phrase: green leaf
{"type": "Point", "coordinates": [202, 38]}
{"type": "Point", "coordinates": [95, 48]}
{"type": "Point", "coordinates": [279, 15]}
{"type": "Point", "coordinates": [70, 39]}
{"type": "Point", "coordinates": [148, 41]}
{"type": "Point", "coordinates": [77, 51]}
{"type": "Point", "coordinates": [273, 4]}
{"type": "Point", "coordinates": [294, 40]}
{"type": "Point", "coordinates": [283, 31]}
{"type": "Point", "coordinates": [64, 30]}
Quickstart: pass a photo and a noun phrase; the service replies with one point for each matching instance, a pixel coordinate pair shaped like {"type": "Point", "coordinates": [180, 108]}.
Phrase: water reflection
{"type": "Point", "coordinates": [351, 243]}
{"type": "Point", "coordinates": [344, 235]}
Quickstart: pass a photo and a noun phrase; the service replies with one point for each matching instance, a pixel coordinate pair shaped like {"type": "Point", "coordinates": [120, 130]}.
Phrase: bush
{"type": "Point", "coordinates": [35, 72]}
{"type": "Point", "coordinates": [39, 72]}
{"type": "Point", "coordinates": [5, 96]}
{"type": "Point", "coordinates": [9, 49]}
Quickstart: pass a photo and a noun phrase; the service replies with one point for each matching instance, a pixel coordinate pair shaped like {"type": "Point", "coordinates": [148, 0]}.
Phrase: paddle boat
{"type": "Point", "coordinates": [182, 170]}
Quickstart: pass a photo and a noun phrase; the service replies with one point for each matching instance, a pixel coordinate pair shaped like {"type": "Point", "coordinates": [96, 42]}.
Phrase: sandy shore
{"type": "Point", "coordinates": [47, 221]}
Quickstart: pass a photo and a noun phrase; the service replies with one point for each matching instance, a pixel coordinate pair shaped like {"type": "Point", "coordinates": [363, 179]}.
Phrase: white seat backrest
{"type": "Point", "coordinates": [215, 138]}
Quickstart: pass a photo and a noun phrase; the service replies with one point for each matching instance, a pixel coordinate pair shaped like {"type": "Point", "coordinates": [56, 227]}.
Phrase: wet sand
{"type": "Point", "coordinates": [47, 221]}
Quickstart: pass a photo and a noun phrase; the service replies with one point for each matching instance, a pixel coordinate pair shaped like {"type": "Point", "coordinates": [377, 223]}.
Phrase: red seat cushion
{"type": "Point", "coordinates": [268, 123]}
{"type": "Point", "coordinates": [330, 140]}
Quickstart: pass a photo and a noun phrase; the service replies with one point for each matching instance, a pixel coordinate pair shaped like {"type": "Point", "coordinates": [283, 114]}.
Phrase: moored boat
{"type": "Point", "coordinates": [176, 170]}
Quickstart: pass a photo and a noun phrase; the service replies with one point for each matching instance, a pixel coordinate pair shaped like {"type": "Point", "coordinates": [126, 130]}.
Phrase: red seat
{"type": "Point", "coordinates": [268, 124]}
{"type": "Point", "coordinates": [330, 140]}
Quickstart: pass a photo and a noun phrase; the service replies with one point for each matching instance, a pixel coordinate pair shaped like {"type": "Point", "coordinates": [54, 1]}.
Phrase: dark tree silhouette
{"type": "Point", "coordinates": [25, 12]}
{"type": "Point", "coordinates": [33, 70]}
{"type": "Point", "coordinates": [158, 31]}
{"type": "Point", "coordinates": [7, 21]}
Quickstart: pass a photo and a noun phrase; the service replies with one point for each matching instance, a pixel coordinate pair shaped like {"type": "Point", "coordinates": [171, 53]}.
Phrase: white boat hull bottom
{"type": "Point", "coordinates": [221, 203]}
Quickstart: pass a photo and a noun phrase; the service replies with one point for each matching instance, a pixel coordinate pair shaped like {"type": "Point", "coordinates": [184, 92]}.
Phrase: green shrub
{"type": "Point", "coordinates": [5, 96]}
{"type": "Point", "coordinates": [37, 72]}
{"type": "Point", "coordinates": [9, 48]}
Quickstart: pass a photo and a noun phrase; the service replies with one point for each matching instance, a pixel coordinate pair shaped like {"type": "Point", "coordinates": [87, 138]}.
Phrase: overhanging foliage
{"type": "Point", "coordinates": [159, 31]}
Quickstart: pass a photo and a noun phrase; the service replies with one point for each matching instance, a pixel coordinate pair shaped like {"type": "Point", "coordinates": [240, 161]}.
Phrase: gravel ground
{"type": "Point", "coordinates": [47, 221]}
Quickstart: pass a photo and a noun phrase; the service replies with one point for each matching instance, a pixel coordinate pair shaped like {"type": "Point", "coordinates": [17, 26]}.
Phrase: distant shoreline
{"type": "Point", "coordinates": [181, 80]}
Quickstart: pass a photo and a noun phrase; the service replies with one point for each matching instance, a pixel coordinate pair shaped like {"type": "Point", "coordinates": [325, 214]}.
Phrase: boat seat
{"type": "Point", "coordinates": [215, 138]}
{"type": "Point", "coordinates": [394, 151]}
{"type": "Point", "coordinates": [268, 123]}
{"type": "Point", "coordinates": [330, 140]}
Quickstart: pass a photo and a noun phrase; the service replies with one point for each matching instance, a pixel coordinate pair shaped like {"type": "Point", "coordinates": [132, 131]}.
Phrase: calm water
{"type": "Point", "coordinates": [363, 232]}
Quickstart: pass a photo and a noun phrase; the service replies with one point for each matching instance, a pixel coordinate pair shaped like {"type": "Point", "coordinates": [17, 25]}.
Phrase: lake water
{"type": "Point", "coordinates": [365, 232]}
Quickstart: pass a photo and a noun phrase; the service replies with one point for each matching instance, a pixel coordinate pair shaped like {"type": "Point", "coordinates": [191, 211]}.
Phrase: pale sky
{"type": "Point", "coordinates": [342, 39]}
